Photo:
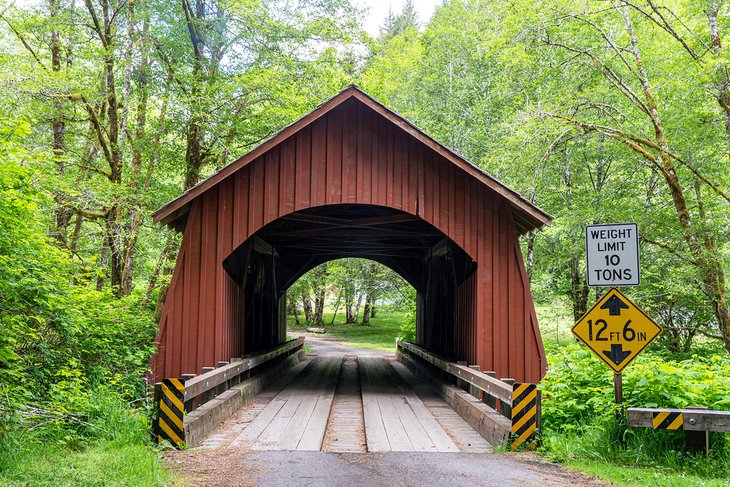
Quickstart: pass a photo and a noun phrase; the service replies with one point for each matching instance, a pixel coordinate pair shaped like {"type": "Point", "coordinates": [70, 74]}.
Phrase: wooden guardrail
{"type": "Point", "coordinates": [497, 408]}
{"type": "Point", "coordinates": [192, 406]}
{"type": "Point", "coordinates": [696, 421]}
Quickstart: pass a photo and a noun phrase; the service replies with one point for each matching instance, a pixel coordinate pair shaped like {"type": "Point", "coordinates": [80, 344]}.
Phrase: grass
{"type": "Point", "coordinates": [113, 449]}
{"type": "Point", "coordinates": [380, 334]}
{"type": "Point", "coordinates": [101, 464]}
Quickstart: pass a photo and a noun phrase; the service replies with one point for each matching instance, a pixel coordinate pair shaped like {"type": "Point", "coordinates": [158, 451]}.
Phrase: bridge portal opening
{"type": "Point", "coordinates": [272, 260]}
{"type": "Point", "coordinates": [360, 300]}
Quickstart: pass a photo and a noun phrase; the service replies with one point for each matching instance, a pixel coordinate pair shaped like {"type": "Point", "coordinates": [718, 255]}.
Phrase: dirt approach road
{"type": "Point", "coordinates": [349, 416]}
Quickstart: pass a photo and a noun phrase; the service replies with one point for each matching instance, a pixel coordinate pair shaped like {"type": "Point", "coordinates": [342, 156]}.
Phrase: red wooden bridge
{"type": "Point", "coordinates": [351, 179]}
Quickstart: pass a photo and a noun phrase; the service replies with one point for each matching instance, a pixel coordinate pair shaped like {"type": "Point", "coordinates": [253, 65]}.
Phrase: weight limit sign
{"type": "Point", "coordinates": [612, 255]}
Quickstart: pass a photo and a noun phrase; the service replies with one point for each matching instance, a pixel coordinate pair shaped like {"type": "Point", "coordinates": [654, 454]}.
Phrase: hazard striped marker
{"type": "Point", "coordinates": [667, 420]}
{"type": "Point", "coordinates": [524, 413]}
{"type": "Point", "coordinates": [170, 412]}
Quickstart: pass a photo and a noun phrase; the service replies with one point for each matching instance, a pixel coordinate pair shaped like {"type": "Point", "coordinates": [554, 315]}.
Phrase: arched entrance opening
{"type": "Point", "coordinates": [272, 259]}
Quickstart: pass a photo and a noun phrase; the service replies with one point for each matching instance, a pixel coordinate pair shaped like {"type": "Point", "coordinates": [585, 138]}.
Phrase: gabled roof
{"type": "Point", "coordinates": [527, 215]}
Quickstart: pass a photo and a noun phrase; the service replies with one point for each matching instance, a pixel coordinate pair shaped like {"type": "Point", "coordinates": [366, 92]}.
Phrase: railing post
{"type": "Point", "coordinates": [170, 412]}
{"type": "Point", "coordinates": [697, 441]}
{"type": "Point", "coordinates": [473, 390]}
{"type": "Point", "coordinates": [505, 409]}
{"type": "Point", "coordinates": [525, 414]}
{"type": "Point", "coordinates": [488, 399]}
{"type": "Point", "coordinates": [189, 404]}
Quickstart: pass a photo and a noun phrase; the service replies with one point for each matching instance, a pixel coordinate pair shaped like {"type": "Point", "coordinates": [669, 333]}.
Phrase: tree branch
{"type": "Point", "coordinates": [25, 43]}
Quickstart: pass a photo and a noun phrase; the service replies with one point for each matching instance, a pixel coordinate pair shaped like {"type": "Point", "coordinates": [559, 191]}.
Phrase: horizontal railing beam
{"type": "Point", "coordinates": [490, 385]}
{"type": "Point", "coordinates": [209, 380]}
{"type": "Point", "coordinates": [693, 419]}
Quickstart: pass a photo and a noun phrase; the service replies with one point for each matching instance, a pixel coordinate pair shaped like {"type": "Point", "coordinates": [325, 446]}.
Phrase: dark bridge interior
{"type": "Point", "coordinates": [269, 262]}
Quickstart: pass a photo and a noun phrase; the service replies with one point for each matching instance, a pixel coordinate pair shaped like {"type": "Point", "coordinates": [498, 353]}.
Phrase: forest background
{"type": "Point", "coordinates": [597, 111]}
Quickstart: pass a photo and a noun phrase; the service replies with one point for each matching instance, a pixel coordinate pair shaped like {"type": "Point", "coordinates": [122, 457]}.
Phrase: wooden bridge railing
{"type": "Point", "coordinates": [696, 421]}
{"type": "Point", "coordinates": [191, 406]}
{"type": "Point", "coordinates": [499, 409]}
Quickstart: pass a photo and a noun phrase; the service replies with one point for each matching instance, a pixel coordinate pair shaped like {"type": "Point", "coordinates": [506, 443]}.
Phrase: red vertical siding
{"type": "Point", "coordinates": [351, 155]}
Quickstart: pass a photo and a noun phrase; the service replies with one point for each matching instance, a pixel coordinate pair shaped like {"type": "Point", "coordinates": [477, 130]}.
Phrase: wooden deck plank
{"type": "Point", "coordinates": [459, 431]}
{"type": "Point", "coordinates": [307, 390]}
{"type": "Point", "coordinates": [440, 438]}
{"type": "Point", "coordinates": [258, 425]}
{"type": "Point", "coordinates": [313, 434]}
{"type": "Point", "coordinates": [261, 422]}
{"type": "Point", "coordinates": [383, 393]}
{"type": "Point", "coordinates": [418, 440]}
{"type": "Point", "coordinates": [375, 436]}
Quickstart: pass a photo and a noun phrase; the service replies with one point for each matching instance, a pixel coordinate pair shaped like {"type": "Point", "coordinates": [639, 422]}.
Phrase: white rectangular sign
{"type": "Point", "coordinates": [612, 254]}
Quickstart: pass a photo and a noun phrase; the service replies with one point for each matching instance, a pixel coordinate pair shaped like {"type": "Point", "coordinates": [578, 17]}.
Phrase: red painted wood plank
{"type": "Point", "coordinates": [287, 177]}
{"type": "Point", "coordinates": [390, 135]}
{"type": "Point", "coordinates": [380, 140]}
{"type": "Point", "coordinates": [223, 250]}
{"type": "Point", "coordinates": [226, 203]}
{"type": "Point", "coordinates": [514, 318]}
{"type": "Point", "coordinates": [359, 155]}
{"type": "Point", "coordinates": [319, 162]}
{"type": "Point", "coordinates": [241, 208]}
{"type": "Point", "coordinates": [503, 288]}
{"type": "Point", "coordinates": [304, 147]}
{"type": "Point", "coordinates": [256, 189]}
{"type": "Point", "coordinates": [428, 182]}
{"type": "Point", "coordinates": [207, 279]}
{"type": "Point", "coordinates": [398, 156]}
{"type": "Point", "coordinates": [365, 164]}
{"type": "Point", "coordinates": [444, 203]}
{"type": "Point", "coordinates": [189, 304]}
{"type": "Point", "coordinates": [422, 161]}
{"type": "Point", "coordinates": [349, 158]}
{"type": "Point", "coordinates": [270, 187]}
{"type": "Point", "coordinates": [457, 227]}
{"type": "Point", "coordinates": [414, 155]}
{"type": "Point", "coordinates": [334, 157]}
{"type": "Point", "coordinates": [485, 305]}
{"type": "Point", "coordinates": [452, 200]}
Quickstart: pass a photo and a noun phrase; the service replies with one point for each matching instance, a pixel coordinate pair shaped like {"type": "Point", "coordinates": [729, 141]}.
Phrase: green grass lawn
{"type": "Point", "coordinates": [380, 334]}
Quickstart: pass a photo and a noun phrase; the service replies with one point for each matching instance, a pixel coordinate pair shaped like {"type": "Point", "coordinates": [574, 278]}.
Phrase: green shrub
{"type": "Point", "coordinates": [579, 413]}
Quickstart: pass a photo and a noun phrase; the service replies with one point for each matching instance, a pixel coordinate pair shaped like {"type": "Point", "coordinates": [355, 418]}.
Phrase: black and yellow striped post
{"type": "Point", "coordinates": [667, 420]}
{"type": "Point", "coordinates": [524, 413]}
{"type": "Point", "coordinates": [170, 412]}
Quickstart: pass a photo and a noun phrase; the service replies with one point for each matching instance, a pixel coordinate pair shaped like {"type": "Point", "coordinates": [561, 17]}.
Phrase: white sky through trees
{"type": "Point", "coordinates": [378, 9]}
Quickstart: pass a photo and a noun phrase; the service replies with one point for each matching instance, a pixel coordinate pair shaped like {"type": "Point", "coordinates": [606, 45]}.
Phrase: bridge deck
{"type": "Point", "coordinates": [348, 404]}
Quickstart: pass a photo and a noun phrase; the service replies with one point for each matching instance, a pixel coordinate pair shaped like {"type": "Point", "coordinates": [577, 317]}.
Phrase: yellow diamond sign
{"type": "Point", "coordinates": [616, 330]}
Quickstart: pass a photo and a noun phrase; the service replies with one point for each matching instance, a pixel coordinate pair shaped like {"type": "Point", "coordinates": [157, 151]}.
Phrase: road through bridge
{"type": "Point", "coordinates": [344, 399]}
{"type": "Point", "coordinates": [353, 417]}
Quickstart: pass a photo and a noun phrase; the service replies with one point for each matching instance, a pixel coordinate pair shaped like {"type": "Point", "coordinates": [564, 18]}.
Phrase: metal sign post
{"type": "Point", "coordinates": [612, 259]}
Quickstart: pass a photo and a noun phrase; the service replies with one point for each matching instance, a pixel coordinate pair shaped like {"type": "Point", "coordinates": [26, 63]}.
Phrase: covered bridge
{"type": "Point", "coordinates": [351, 179]}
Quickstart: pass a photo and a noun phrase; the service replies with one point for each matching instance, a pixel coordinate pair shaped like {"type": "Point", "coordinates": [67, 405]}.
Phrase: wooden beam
{"type": "Point", "coordinates": [694, 419]}
{"type": "Point", "coordinates": [210, 380]}
{"type": "Point", "coordinates": [494, 387]}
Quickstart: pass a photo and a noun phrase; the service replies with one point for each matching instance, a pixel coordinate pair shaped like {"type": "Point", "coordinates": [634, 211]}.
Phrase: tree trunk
{"type": "Point", "coordinates": [307, 306]}
{"type": "Point", "coordinates": [700, 243]}
{"type": "Point", "coordinates": [319, 305]}
{"type": "Point", "coordinates": [134, 213]}
{"type": "Point", "coordinates": [357, 308]}
{"type": "Point", "coordinates": [578, 288]}
{"type": "Point", "coordinates": [62, 213]}
{"type": "Point", "coordinates": [366, 311]}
